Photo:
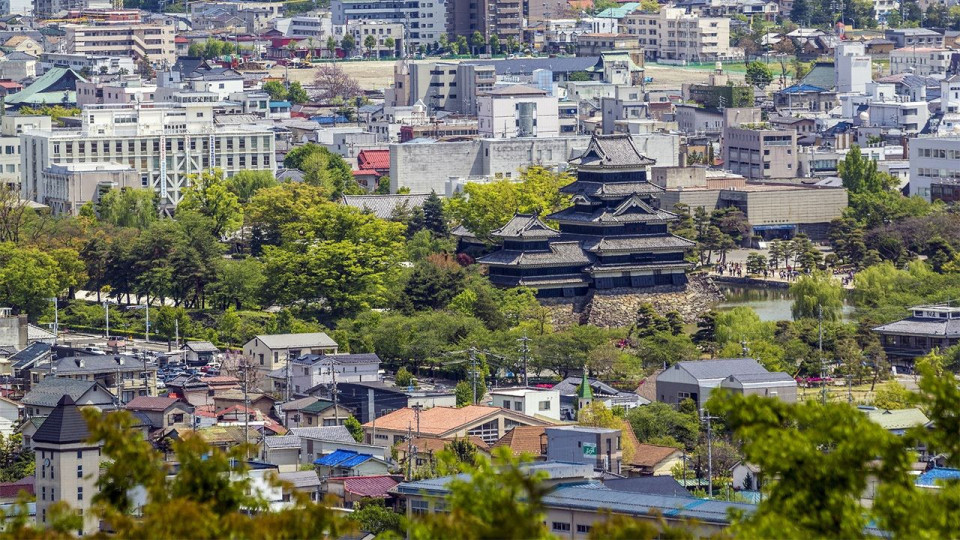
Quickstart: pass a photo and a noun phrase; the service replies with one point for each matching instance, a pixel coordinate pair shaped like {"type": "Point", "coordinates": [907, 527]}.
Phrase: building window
{"type": "Point", "coordinates": [80, 493]}
{"type": "Point", "coordinates": [560, 526]}
{"type": "Point", "coordinates": [79, 471]}
{"type": "Point", "coordinates": [584, 529]}
{"type": "Point", "coordinates": [419, 507]}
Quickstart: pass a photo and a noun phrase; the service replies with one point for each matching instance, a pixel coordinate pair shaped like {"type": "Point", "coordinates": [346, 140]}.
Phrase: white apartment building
{"type": "Point", "coordinates": [883, 8]}
{"type": "Point", "coordinates": [310, 27]}
{"type": "Point", "coordinates": [922, 61]}
{"type": "Point", "coordinates": [311, 370]}
{"type": "Point", "coordinates": [672, 34]}
{"type": "Point", "coordinates": [108, 65]}
{"type": "Point", "coordinates": [11, 126]}
{"type": "Point", "coordinates": [529, 401]}
{"type": "Point", "coordinates": [132, 90]}
{"type": "Point", "coordinates": [425, 21]}
{"type": "Point", "coordinates": [164, 142]}
{"type": "Point", "coordinates": [933, 159]}
{"type": "Point", "coordinates": [151, 41]}
{"type": "Point", "coordinates": [380, 30]}
{"type": "Point", "coordinates": [908, 116]}
{"type": "Point", "coordinates": [517, 111]}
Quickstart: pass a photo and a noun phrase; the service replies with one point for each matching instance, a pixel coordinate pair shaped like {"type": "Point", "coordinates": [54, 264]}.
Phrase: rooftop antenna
{"type": "Point", "coordinates": [823, 367]}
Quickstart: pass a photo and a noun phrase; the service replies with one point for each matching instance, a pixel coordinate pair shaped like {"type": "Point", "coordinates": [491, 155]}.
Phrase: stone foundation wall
{"type": "Point", "coordinates": [618, 307]}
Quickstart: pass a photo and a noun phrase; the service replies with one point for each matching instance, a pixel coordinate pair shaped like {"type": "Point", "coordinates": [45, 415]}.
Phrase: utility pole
{"type": "Point", "coordinates": [473, 363]}
{"type": "Point", "coordinates": [409, 452]}
{"type": "Point", "coordinates": [336, 407]}
{"type": "Point", "coordinates": [106, 316]}
{"type": "Point", "coordinates": [246, 410]}
{"type": "Point", "coordinates": [524, 349]}
{"type": "Point", "coordinates": [416, 412]}
{"type": "Point", "coordinates": [286, 379]}
{"type": "Point", "coordinates": [823, 367]}
{"type": "Point", "coordinates": [56, 319]}
{"type": "Point", "coordinates": [146, 328]}
{"type": "Point", "coordinates": [176, 334]}
{"type": "Point", "coordinates": [705, 415]}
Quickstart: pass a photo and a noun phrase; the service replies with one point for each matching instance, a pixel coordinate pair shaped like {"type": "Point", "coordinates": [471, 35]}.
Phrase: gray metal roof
{"type": "Point", "coordinates": [99, 364]}
{"type": "Point", "coordinates": [295, 341]}
{"type": "Point", "coordinates": [300, 479]}
{"type": "Point", "coordinates": [721, 368]}
{"type": "Point", "coordinates": [49, 390]}
{"type": "Point", "coordinates": [64, 425]}
{"type": "Point", "coordinates": [639, 243]}
{"type": "Point", "coordinates": [569, 386]}
{"type": "Point", "coordinates": [359, 358]}
{"type": "Point", "coordinates": [922, 326]}
{"type": "Point", "coordinates": [202, 346]}
{"type": "Point", "coordinates": [328, 433]}
{"type": "Point", "coordinates": [594, 497]}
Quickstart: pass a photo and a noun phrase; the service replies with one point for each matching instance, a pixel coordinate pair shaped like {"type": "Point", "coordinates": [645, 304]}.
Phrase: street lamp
{"type": "Point", "coordinates": [56, 318]}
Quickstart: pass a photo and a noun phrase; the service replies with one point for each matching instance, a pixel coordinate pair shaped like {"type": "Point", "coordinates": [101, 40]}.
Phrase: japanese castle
{"type": "Point", "coordinates": [615, 235]}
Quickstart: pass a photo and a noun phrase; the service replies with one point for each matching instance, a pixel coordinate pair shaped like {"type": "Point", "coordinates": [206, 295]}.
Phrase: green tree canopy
{"type": "Point", "coordinates": [209, 195]}
{"type": "Point", "coordinates": [814, 293]}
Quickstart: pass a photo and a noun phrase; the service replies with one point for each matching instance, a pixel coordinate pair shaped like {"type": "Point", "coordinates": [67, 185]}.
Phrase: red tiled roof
{"type": "Point", "coordinates": [10, 84]}
{"type": "Point", "coordinates": [181, 39]}
{"type": "Point", "coordinates": [220, 379]}
{"type": "Point", "coordinates": [367, 172]}
{"type": "Point", "coordinates": [368, 486]}
{"type": "Point", "coordinates": [523, 440]}
{"type": "Point", "coordinates": [650, 455]}
{"type": "Point", "coordinates": [150, 403]}
{"type": "Point", "coordinates": [9, 490]}
{"type": "Point", "coordinates": [373, 159]}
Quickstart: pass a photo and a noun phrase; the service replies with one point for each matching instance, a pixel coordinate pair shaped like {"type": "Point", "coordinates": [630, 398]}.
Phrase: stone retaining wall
{"type": "Point", "coordinates": [618, 307]}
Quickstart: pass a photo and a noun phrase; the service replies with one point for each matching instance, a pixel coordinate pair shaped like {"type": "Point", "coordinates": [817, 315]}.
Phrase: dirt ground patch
{"type": "Point", "coordinates": [377, 75]}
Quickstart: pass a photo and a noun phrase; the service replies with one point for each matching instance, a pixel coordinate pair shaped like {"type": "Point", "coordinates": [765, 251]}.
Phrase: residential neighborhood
{"type": "Point", "coordinates": [579, 269]}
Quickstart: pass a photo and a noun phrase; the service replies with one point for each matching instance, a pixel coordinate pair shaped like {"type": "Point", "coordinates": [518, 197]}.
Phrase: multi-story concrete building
{"type": "Point", "coordinates": [310, 370]}
{"type": "Point", "coordinates": [129, 90]}
{"type": "Point", "coordinates": [529, 401]}
{"type": "Point", "coordinates": [107, 65]}
{"type": "Point", "coordinates": [914, 37]}
{"type": "Point", "coordinates": [754, 149]}
{"type": "Point", "coordinates": [674, 35]}
{"type": "Point", "coordinates": [68, 466]}
{"type": "Point", "coordinates": [425, 21]}
{"type": "Point", "coordinates": [505, 18]}
{"type": "Point", "coordinates": [71, 185]}
{"type": "Point", "coordinates": [921, 61]}
{"type": "Point", "coordinates": [933, 159]}
{"type": "Point", "coordinates": [153, 42]}
{"type": "Point", "coordinates": [11, 126]}
{"type": "Point", "coordinates": [306, 26]}
{"type": "Point", "coordinates": [854, 68]}
{"type": "Point", "coordinates": [165, 143]}
{"type": "Point", "coordinates": [517, 111]}
{"type": "Point", "coordinates": [381, 32]}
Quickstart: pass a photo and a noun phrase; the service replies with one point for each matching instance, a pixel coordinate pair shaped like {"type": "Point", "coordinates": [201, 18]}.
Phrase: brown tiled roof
{"type": "Point", "coordinates": [150, 403]}
{"type": "Point", "coordinates": [441, 420]}
{"type": "Point", "coordinates": [649, 455]}
{"type": "Point", "coordinates": [436, 444]}
{"type": "Point", "coordinates": [523, 440]}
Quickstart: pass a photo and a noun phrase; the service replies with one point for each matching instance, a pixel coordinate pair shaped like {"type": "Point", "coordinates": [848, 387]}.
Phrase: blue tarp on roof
{"type": "Point", "coordinates": [343, 458]}
{"type": "Point", "coordinates": [274, 104]}
{"type": "Point", "coordinates": [934, 476]}
{"type": "Point", "coordinates": [801, 88]}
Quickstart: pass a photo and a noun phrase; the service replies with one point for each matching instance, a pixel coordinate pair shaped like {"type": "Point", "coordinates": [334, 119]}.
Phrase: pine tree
{"type": "Point", "coordinates": [434, 219]}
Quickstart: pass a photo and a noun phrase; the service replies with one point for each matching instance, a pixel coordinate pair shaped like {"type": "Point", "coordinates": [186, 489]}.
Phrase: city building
{"type": "Point", "coordinates": [127, 90]}
{"type": "Point", "coordinates": [517, 111]}
{"type": "Point", "coordinates": [922, 61]}
{"type": "Point", "coordinates": [69, 186]}
{"type": "Point", "coordinates": [529, 401]}
{"type": "Point", "coordinates": [696, 379]}
{"type": "Point", "coordinates": [67, 466]}
{"type": "Point", "coordinates": [927, 328]}
{"type": "Point", "coordinates": [601, 448]}
{"type": "Point", "coordinates": [44, 394]}
{"type": "Point", "coordinates": [381, 31]}
{"type": "Point", "coordinates": [615, 234]}
{"type": "Point", "coordinates": [933, 160]}
{"type": "Point", "coordinates": [153, 42]}
{"type": "Point", "coordinates": [425, 21]}
{"type": "Point", "coordinates": [371, 400]}
{"type": "Point", "coordinates": [593, 44]}
{"type": "Point", "coordinates": [914, 37]}
{"type": "Point", "coordinates": [854, 68]}
{"type": "Point", "coordinates": [101, 64]}
{"type": "Point", "coordinates": [165, 143]}
{"type": "Point", "coordinates": [11, 126]}
{"type": "Point", "coordinates": [673, 35]}
{"type": "Point", "coordinates": [755, 149]}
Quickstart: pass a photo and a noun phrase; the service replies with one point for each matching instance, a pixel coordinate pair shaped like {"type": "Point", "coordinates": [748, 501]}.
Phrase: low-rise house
{"type": "Point", "coordinates": [487, 423]}
{"type": "Point", "coordinates": [125, 376]}
{"type": "Point", "coordinates": [696, 379]}
{"type": "Point", "coordinates": [603, 392]}
{"type": "Point", "coordinates": [191, 389]}
{"type": "Point", "coordinates": [162, 413]}
{"type": "Point", "coordinates": [316, 442]}
{"type": "Point", "coordinates": [306, 482]}
{"type": "Point", "coordinates": [200, 353]}
{"type": "Point", "coordinates": [310, 370]}
{"type": "Point", "coordinates": [282, 450]}
{"type": "Point", "coordinates": [226, 437]}
{"type": "Point", "coordinates": [269, 352]}
{"type": "Point", "coordinates": [351, 489]}
{"type": "Point", "coordinates": [897, 421]}
{"type": "Point", "coordinates": [424, 450]}
{"type": "Point", "coordinates": [10, 414]}
{"type": "Point", "coordinates": [43, 396]}
{"type": "Point", "coordinates": [927, 327]}
{"type": "Point", "coordinates": [525, 440]}
{"type": "Point", "coordinates": [350, 463]}
{"type": "Point", "coordinates": [529, 401]}
{"type": "Point", "coordinates": [745, 476]}
{"type": "Point", "coordinates": [254, 400]}
{"type": "Point", "coordinates": [654, 460]}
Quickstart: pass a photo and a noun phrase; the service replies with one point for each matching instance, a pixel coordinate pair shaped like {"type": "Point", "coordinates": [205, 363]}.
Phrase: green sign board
{"type": "Point", "coordinates": [589, 449]}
